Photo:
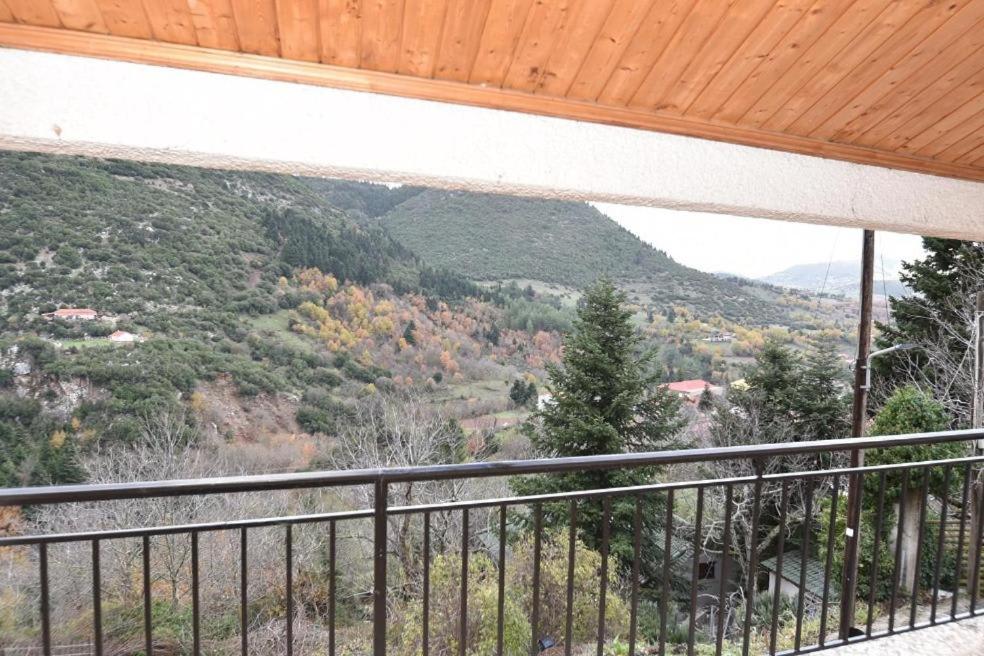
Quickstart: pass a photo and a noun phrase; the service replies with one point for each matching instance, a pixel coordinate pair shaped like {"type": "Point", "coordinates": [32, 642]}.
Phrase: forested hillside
{"type": "Point", "coordinates": [269, 305]}
{"type": "Point", "coordinates": [489, 237]}
{"type": "Point", "coordinates": [221, 279]}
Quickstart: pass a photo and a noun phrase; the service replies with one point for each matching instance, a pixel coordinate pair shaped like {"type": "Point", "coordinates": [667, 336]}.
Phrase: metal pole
{"type": "Point", "coordinates": [976, 420]}
{"type": "Point", "coordinates": [976, 416]}
{"type": "Point", "coordinates": [379, 569]}
{"type": "Point", "coordinates": [858, 411]}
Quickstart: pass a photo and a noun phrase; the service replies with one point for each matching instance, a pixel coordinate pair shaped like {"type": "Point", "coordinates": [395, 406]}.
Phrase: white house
{"type": "Point", "coordinates": [123, 337]}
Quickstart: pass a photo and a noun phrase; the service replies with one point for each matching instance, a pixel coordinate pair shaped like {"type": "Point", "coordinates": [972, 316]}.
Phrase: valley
{"type": "Point", "coordinates": [269, 306]}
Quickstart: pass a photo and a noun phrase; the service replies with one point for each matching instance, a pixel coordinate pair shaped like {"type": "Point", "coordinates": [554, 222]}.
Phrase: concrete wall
{"type": "Point", "coordinates": [74, 105]}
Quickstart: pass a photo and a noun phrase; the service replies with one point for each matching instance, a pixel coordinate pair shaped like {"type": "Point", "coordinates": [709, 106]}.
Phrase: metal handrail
{"type": "Point", "coordinates": [448, 506]}
{"type": "Point", "coordinates": [338, 478]}
{"type": "Point", "coordinates": [826, 482]}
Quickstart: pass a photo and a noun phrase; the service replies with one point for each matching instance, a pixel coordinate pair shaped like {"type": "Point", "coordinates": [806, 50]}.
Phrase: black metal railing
{"type": "Point", "coordinates": [684, 564]}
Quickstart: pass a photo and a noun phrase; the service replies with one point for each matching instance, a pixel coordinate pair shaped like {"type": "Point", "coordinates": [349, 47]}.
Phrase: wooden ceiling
{"type": "Point", "coordinates": [897, 83]}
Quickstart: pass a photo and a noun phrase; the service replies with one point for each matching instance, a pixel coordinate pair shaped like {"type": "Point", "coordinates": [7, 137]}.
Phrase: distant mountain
{"type": "Point", "coordinates": [839, 278]}
{"type": "Point", "coordinates": [488, 237]}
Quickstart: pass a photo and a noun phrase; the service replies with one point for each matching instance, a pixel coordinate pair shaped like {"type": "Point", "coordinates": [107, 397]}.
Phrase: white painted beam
{"type": "Point", "coordinates": [74, 105]}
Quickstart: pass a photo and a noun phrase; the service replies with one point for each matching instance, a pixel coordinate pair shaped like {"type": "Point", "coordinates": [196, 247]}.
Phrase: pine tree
{"type": "Point", "coordinates": [493, 335]}
{"type": "Point", "coordinates": [789, 392]}
{"type": "Point", "coordinates": [944, 283]}
{"type": "Point", "coordinates": [775, 382]}
{"type": "Point", "coordinates": [706, 401]}
{"type": "Point", "coordinates": [520, 393]}
{"type": "Point", "coordinates": [408, 333]}
{"type": "Point", "coordinates": [822, 404]}
{"type": "Point", "coordinates": [605, 400]}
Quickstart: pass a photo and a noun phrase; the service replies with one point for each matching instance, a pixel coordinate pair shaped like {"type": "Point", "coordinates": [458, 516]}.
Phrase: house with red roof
{"type": "Point", "coordinates": [74, 314]}
{"type": "Point", "coordinates": [692, 389]}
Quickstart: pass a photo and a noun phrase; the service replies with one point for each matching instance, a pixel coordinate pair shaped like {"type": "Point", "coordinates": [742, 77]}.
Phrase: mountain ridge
{"type": "Point", "coordinates": [489, 237]}
{"type": "Point", "coordinates": [838, 277]}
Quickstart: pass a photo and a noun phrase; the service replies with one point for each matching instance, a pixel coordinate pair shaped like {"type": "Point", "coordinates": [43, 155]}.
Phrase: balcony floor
{"type": "Point", "coordinates": [964, 638]}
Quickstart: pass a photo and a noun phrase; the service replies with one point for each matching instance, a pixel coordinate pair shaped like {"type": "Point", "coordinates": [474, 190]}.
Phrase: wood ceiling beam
{"type": "Point", "coordinates": [232, 63]}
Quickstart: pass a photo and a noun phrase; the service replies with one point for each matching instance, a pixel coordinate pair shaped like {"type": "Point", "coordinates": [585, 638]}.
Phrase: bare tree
{"type": "Point", "coordinates": [170, 447]}
{"type": "Point", "coordinates": [401, 430]}
{"type": "Point", "coordinates": [942, 364]}
{"type": "Point", "coordinates": [744, 426]}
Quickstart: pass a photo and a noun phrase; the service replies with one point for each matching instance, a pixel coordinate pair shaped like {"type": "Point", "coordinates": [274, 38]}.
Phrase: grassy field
{"type": "Point", "coordinates": [85, 343]}
{"type": "Point", "coordinates": [277, 324]}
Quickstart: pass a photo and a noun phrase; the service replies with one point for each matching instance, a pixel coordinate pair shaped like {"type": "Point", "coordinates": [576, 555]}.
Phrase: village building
{"type": "Point", "coordinates": [711, 567]}
{"type": "Point", "coordinates": [123, 337]}
{"type": "Point", "coordinates": [691, 390]}
{"type": "Point", "coordinates": [73, 314]}
{"type": "Point", "coordinates": [788, 580]}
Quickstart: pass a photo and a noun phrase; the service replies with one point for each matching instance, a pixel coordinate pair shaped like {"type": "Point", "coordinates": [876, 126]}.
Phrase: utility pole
{"type": "Point", "coordinates": [976, 421]}
{"type": "Point", "coordinates": [976, 414]}
{"type": "Point", "coordinates": [858, 411]}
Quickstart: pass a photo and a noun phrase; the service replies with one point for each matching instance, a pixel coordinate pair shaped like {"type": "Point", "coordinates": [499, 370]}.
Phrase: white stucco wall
{"type": "Point", "coordinates": [66, 104]}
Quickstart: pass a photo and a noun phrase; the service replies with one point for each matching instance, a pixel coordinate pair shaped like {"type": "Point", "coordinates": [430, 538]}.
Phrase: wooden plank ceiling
{"type": "Point", "coordinates": [897, 83]}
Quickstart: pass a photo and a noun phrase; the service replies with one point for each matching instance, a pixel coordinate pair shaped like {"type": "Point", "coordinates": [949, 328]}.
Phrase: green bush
{"type": "Point", "coordinates": [886, 557]}
{"type": "Point", "coordinates": [483, 573]}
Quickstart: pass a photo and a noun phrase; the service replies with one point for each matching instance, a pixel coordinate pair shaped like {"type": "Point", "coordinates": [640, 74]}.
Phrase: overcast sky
{"type": "Point", "coordinates": [753, 247]}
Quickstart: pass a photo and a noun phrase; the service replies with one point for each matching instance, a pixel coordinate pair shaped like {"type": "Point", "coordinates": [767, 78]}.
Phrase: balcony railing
{"type": "Point", "coordinates": [431, 577]}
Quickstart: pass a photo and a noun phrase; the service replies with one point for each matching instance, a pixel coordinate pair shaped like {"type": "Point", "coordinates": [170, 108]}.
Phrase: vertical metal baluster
{"type": "Point", "coordinates": [636, 552]}
{"type": "Point", "coordinates": [964, 505]}
{"type": "Point", "coordinates": [501, 616]}
{"type": "Point", "coordinates": [725, 559]}
{"type": "Point", "coordinates": [606, 513]}
{"type": "Point", "coordinates": [753, 563]}
{"type": "Point", "coordinates": [196, 636]}
{"type": "Point", "coordinates": [804, 557]}
{"type": "Point", "coordinates": [537, 545]}
{"type": "Point", "coordinates": [975, 583]}
{"type": "Point", "coordinates": [463, 630]}
{"type": "Point", "coordinates": [829, 565]}
{"type": "Point", "coordinates": [148, 628]}
{"type": "Point", "coordinates": [876, 558]}
{"type": "Point", "coordinates": [45, 599]}
{"type": "Point", "coordinates": [664, 600]}
{"type": "Point", "coordinates": [96, 600]}
{"type": "Point", "coordinates": [425, 624]}
{"type": "Point", "coordinates": [243, 590]}
{"type": "Point", "coordinates": [919, 550]}
{"type": "Point", "coordinates": [379, 568]}
{"type": "Point", "coordinates": [944, 502]}
{"type": "Point", "coordinates": [332, 584]}
{"type": "Point", "coordinates": [783, 509]}
{"type": "Point", "coordinates": [571, 553]}
{"type": "Point", "coordinates": [289, 585]}
{"type": "Point", "coordinates": [695, 573]}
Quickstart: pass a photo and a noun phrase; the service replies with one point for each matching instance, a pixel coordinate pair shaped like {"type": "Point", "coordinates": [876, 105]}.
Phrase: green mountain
{"type": "Point", "coordinates": [164, 243]}
{"type": "Point", "coordinates": [193, 260]}
{"type": "Point", "coordinates": [489, 237]}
